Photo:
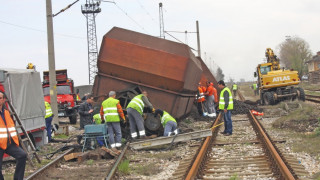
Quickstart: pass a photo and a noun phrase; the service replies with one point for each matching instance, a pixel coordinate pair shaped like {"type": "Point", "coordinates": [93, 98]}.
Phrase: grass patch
{"type": "Point", "coordinates": [234, 177]}
{"type": "Point", "coordinates": [146, 169]}
{"type": "Point", "coordinates": [61, 136]}
{"type": "Point", "coordinates": [124, 168]}
{"type": "Point", "coordinates": [90, 162]}
{"type": "Point", "coordinates": [299, 120]}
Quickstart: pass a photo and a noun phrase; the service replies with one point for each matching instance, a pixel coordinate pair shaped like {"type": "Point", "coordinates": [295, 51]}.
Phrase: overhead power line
{"type": "Point", "coordinates": [146, 11]}
{"type": "Point", "coordinates": [42, 31]}
{"type": "Point", "coordinates": [130, 17]}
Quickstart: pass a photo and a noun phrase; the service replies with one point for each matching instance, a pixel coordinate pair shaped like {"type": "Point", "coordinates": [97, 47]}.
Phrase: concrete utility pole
{"type": "Point", "coordinates": [198, 39]}
{"type": "Point", "coordinates": [52, 67]}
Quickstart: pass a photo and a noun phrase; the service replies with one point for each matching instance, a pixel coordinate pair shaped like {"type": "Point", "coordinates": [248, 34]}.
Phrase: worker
{"type": "Point", "coordinates": [9, 142]}
{"type": "Point", "coordinates": [111, 112]}
{"type": "Point", "coordinates": [255, 89]}
{"type": "Point", "coordinates": [135, 111]}
{"type": "Point", "coordinates": [168, 122]}
{"type": "Point", "coordinates": [210, 99]}
{"type": "Point", "coordinates": [201, 101]}
{"type": "Point", "coordinates": [234, 89]}
{"type": "Point", "coordinates": [86, 112]}
{"type": "Point", "coordinates": [48, 118]}
{"type": "Point", "coordinates": [226, 105]}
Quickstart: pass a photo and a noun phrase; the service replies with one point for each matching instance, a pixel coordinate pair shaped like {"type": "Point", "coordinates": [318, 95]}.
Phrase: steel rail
{"type": "Point", "coordinates": [116, 164]}
{"type": "Point", "coordinates": [284, 170]}
{"type": "Point", "coordinates": [200, 156]}
{"type": "Point", "coordinates": [313, 98]}
{"type": "Point", "coordinates": [41, 170]}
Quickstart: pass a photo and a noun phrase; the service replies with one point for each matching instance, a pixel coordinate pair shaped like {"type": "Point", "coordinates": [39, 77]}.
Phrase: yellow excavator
{"type": "Point", "coordinates": [277, 84]}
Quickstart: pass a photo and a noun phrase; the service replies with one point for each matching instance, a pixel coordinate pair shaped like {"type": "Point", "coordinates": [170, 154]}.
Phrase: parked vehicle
{"type": "Point", "coordinates": [66, 98]}
{"type": "Point", "coordinates": [23, 89]}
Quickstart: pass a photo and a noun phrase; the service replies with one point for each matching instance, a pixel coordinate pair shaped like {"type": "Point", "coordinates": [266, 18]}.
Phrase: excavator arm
{"type": "Point", "coordinates": [272, 58]}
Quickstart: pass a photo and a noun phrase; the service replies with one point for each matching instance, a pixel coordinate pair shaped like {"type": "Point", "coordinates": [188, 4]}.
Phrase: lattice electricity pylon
{"type": "Point", "coordinates": [90, 10]}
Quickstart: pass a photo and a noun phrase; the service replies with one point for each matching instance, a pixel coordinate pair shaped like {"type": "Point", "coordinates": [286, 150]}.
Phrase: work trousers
{"type": "Point", "coordinates": [210, 105]}
{"type": "Point", "coordinates": [136, 123]}
{"type": "Point", "coordinates": [227, 122]}
{"type": "Point", "coordinates": [201, 106]}
{"type": "Point", "coordinates": [170, 127]}
{"type": "Point", "coordinates": [114, 131]}
{"type": "Point", "coordinates": [20, 156]}
{"type": "Point", "coordinates": [234, 93]}
{"type": "Point", "coordinates": [49, 127]}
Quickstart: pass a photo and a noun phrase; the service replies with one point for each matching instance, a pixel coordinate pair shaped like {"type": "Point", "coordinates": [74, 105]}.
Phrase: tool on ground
{"type": "Point", "coordinates": [216, 126]}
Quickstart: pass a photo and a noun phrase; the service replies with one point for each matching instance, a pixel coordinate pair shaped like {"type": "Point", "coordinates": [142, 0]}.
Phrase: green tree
{"type": "Point", "coordinates": [294, 52]}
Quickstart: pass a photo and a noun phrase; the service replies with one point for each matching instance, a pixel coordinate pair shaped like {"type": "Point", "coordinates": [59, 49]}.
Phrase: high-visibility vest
{"type": "Point", "coordinates": [201, 97]}
{"type": "Point", "coordinates": [222, 102]}
{"type": "Point", "coordinates": [110, 110]}
{"type": "Point", "coordinates": [254, 86]}
{"type": "Point", "coordinates": [97, 118]}
{"type": "Point", "coordinates": [166, 118]}
{"type": "Point", "coordinates": [78, 97]}
{"type": "Point", "coordinates": [7, 131]}
{"type": "Point", "coordinates": [137, 103]}
{"type": "Point", "coordinates": [48, 110]}
{"type": "Point", "coordinates": [234, 87]}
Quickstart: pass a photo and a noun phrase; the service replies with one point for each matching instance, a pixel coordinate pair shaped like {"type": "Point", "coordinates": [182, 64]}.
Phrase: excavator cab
{"type": "Point", "coordinates": [265, 69]}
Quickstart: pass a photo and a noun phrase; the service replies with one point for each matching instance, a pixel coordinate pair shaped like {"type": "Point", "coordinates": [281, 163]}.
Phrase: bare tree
{"type": "Point", "coordinates": [219, 75]}
{"type": "Point", "coordinates": [294, 52]}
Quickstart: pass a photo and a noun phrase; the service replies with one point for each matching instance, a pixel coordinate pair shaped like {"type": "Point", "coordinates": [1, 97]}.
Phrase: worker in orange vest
{"type": "Point", "coordinates": [9, 142]}
{"type": "Point", "coordinates": [201, 101]}
{"type": "Point", "coordinates": [210, 99]}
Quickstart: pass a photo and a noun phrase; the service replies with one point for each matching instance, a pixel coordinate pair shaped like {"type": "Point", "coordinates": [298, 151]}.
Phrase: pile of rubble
{"type": "Point", "coordinates": [240, 107]}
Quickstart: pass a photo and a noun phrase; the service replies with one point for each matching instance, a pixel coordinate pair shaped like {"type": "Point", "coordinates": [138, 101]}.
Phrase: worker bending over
{"type": "Point", "coordinates": [9, 142]}
{"type": "Point", "coordinates": [135, 111]}
{"type": "Point", "coordinates": [168, 122]}
{"type": "Point", "coordinates": [111, 112]}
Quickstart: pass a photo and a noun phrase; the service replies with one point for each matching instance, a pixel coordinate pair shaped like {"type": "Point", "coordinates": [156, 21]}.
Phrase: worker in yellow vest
{"type": "Point", "coordinates": [111, 112]}
{"type": "Point", "coordinates": [9, 142]}
{"type": "Point", "coordinates": [48, 118]}
{"type": "Point", "coordinates": [255, 89]}
{"type": "Point", "coordinates": [135, 112]}
{"type": "Point", "coordinates": [168, 122]}
{"type": "Point", "coordinates": [226, 105]}
{"type": "Point", "coordinates": [234, 89]}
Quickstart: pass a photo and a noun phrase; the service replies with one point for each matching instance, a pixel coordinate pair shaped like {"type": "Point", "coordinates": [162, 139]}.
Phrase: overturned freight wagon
{"type": "Point", "coordinates": [129, 62]}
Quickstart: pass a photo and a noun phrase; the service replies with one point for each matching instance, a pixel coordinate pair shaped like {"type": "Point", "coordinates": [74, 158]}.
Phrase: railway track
{"type": "Point", "coordinates": [247, 154]}
{"type": "Point", "coordinates": [313, 98]}
{"type": "Point", "coordinates": [59, 169]}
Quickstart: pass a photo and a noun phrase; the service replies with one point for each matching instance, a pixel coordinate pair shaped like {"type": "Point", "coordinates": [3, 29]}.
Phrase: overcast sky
{"type": "Point", "coordinates": [234, 34]}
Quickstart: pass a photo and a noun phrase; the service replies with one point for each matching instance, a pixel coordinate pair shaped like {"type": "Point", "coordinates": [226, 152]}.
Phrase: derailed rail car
{"type": "Point", "coordinates": [130, 61]}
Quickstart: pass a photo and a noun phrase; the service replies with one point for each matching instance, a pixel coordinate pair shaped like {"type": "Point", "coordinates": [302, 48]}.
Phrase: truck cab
{"type": "Point", "coordinates": [66, 98]}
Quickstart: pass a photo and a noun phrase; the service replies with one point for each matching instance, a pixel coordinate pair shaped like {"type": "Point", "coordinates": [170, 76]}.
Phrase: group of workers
{"type": "Point", "coordinates": [112, 114]}
{"type": "Point", "coordinates": [207, 98]}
